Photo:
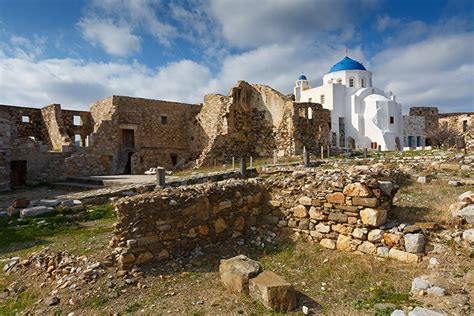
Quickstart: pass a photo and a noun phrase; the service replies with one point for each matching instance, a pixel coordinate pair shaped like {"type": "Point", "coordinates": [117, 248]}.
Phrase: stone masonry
{"type": "Point", "coordinates": [340, 209]}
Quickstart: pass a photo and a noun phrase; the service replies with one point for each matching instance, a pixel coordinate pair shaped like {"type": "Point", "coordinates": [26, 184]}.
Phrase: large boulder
{"type": "Point", "coordinates": [237, 271]}
{"type": "Point", "coordinates": [468, 235]}
{"type": "Point", "coordinates": [273, 292]}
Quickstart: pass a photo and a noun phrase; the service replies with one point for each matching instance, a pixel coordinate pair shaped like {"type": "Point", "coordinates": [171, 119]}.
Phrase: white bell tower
{"type": "Point", "coordinates": [301, 84]}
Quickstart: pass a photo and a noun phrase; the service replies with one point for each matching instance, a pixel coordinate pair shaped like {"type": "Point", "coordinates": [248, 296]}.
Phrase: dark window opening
{"type": "Point", "coordinates": [164, 120]}
{"type": "Point", "coordinates": [174, 159]}
{"type": "Point", "coordinates": [392, 120]}
{"type": "Point", "coordinates": [18, 172]}
{"type": "Point", "coordinates": [464, 126]}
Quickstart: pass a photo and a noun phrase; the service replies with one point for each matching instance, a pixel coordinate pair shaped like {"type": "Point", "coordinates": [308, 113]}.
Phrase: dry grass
{"type": "Point", "coordinates": [426, 201]}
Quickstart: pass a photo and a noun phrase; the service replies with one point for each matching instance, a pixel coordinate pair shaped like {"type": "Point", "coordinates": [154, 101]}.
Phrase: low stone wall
{"type": "Point", "coordinates": [340, 209]}
{"type": "Point", "coordinates": [172, 221]}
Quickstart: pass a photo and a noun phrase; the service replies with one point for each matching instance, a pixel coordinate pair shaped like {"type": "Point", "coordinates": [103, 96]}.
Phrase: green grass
{"type": "Point", "coordinates": [383, 295]}
{"type": "Point", "coordinates": [14, 305]}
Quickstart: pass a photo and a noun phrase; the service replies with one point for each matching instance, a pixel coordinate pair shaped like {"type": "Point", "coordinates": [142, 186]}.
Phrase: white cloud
{"type": "Point", "coordinates": [438, 71]}
{"type": "Point", "coordinates": [76, 83]}
{"type": "Point", "coordinates": [115, 39]}
{"type": "Point", "coordinates": [249, 23]}
{"type": "Point", "coordinates": [385, 22]}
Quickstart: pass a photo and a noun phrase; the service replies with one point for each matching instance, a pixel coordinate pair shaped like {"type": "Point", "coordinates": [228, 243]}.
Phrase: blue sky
{"type": "Point", "coordinates": [78, 51]}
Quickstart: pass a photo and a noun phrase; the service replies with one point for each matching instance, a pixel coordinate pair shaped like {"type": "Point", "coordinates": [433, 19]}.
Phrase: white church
{"type": "Point", "coordinates": [362, 116]}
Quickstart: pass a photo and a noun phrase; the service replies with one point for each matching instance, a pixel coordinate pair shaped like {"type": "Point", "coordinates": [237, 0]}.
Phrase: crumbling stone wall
{"type": "Point", "coordinates": [431, 115]}
{"type": "Point", "coordinates": [254, 120]}
{"type": "Point", "coordinates": [53, 121]}
{"type": "Point", "coordinates": [5, 152]}
{"type": "Point", "coordinates": [340, 209]}
{"type": "Point", "coordinates": [167, 223]}
{"type": "Point", "coordinates": [413, 126]}
{"type": "Point", "coordinates": [462, 123]}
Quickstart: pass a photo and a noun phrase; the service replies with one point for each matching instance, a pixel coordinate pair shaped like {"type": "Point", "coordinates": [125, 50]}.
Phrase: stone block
{"type": "Point", "coordinates": [421, 311]}
{"type": "Point", "coordinates": [300, 211]}
{"type": "Point", "coordinates": [304, 200]}
{"type": "Point", "coordinates": [414, 243]}
{"type": "Point", "coordinates": [403, 256]}
{"type": "Point", "coordinates": [322, 228]}
{"type": "Point", "coordinates": [357, 189]}
{"type": "Point", "coordinates": [383, 252]}
{"type": "Point", "coordinates": [359, 233]}
{"type": "Point", "coordinates": [367, 247]}
{"type": "Point", "coordinates": [36, 211]}
{"type": "Point", "coordinates": [314, 213]}
{"type": "Point", "coordinates": [144, 257]}
{"type": "Point", "coordinates": [336, 198]}
{"type": "Point", "coordinates": [391, 240]}
{"type": "Point", "coordinates": [273, 292]}
{"type": "Point", "coordinates": [220, 225]}
{"type": "Point", "coordinates": [364, 201]}
{"type": "Point", "coordinates": [344, 243]}
{"type": "Point", "coordinates": [468, 235]}
{"type": "Point", "coordinates": [49, 203]}
{"type": "Point", "coordinates": [467, 213]}
{"type": "Point", "coordinates": [20, 203]}
{"type": "Point", "coordinates": [148, 240]}
{"type": "Point", "coordinates": [342, 229]}
{"type": "Point", "coordinates": [373, 217]}
{"type": "Point", "coordinates": [375, 235]}
{"type": "Point", "coordinates": [237, 271]}
{"type": "Point", "coordinates": [337, 217]}
{"type": "Point", "coordinates": [328, 243]}
{"type": "Point", "coordinates": [386, 187]}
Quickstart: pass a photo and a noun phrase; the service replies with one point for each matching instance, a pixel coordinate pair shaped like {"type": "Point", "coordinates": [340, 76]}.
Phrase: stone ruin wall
{"type": "Point", "coordinates": [255, 120]}
{"type": "Point", "coordinates": [338, 209]}
{"type": "Point", "coordinates": [5, 152]}
{"type": "Point", "coordinates": [456, 121]}
{"type": "Point", "coordinates": [413, 126]}
{"type": "Point", "coordinates": [168, 223]}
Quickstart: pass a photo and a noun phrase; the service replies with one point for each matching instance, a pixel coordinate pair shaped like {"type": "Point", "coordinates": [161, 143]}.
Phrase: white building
{"type": "Point", "coordinates": [362, 116]}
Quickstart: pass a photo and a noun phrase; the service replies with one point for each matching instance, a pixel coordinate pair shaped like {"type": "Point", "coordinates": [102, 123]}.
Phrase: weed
{"type": "Point", "coordinates": [383, 295]}
{"type": "Point", "coordinates": [132, 308]}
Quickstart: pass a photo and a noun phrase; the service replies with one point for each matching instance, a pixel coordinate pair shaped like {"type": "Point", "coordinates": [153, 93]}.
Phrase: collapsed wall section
{"type": "Point", "coordinates": [167, 223]}
{"type": "Point", "coordinates": [344, 210]}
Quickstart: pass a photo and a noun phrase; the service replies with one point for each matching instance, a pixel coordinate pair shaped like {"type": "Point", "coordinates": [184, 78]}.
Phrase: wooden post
{"type": "Point", "coordinates": [251, 161]}
{"type": "Point", "coordinates": [322, 152]}
{"type": "Point", "coordinates": [329, 152]}
{"type": "Point", "coordinates": [233, 163]}
{"type": "Point", "coordinates": [160, 176]}
{"type": "Point", "coordinates": [243, 167]}
{"type": "Point", "coordinates": [365, 152]}
{"type": "Point", "coordinates": [274, 157]}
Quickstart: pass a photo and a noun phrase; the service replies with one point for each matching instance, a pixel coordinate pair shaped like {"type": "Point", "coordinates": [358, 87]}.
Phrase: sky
{"type": "Point", "coordinates": [75, 52]}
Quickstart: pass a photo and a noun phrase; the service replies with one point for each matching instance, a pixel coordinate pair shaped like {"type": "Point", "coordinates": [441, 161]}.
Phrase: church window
{"type": "Point", "coordinates": [339, 81]}
{"type": "Point", "coordinates": [351, 82]}
{"type": "Point", "coordinates": [392, 120]}
{"type": "Point", "coordinates": [362, 82]}
{"type": "Point", "coordinates": [322, 98]}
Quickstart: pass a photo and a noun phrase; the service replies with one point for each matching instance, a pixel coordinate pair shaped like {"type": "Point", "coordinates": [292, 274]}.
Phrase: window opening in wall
{"type": "Point", "coordinates": [464, 126]}
{"type": "Point", "coordinates": [25, 119]}
{"type": "Point", "coordinates": [373, 145]}
{"type": "Point", "coordinates": [77, 140]}
{"type": "Point", "coordinates": [76, 120]}
{"type": "Point", "coordinates": [164, 120]}
{"type": "Point", "coordinates": [339, 81]}
{"type": "Point", "coordinates": [362, 82]}
{"type": "Point", "coordinates": [392, 120]}
{"type": "Point", "coordinates": [174, 158]}
{"type": "Point", "coordinates": [310, 113]}
{"type": "Point", "coordinates": [322, 98]}
{"type": "Point", "coordinates": [351, 82]}
{"type": "Point", "coordinates": [32, 137]}
{"type": "Point", "coordinates": [445, 124]}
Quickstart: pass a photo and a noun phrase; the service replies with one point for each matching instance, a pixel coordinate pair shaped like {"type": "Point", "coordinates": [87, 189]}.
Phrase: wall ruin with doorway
{"type": "Point", "coordinates": [256, 120]}
{"type": "Point", "coordinates": [462, 123]}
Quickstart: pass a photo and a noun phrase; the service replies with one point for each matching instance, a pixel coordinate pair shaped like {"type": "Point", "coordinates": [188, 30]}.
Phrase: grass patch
{"type": "Point", "coordinates": [14, 305]}
{"type": "Point", "coordinates": [132, 308]}
{"type": "Point", "coordinates": [383, 295]}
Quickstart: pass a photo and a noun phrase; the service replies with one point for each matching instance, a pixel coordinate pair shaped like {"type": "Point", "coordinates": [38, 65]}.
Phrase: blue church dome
{"type": "Point", "coordinates": [302, 77]}
{"type": "Point", "coordinates": [347, 64]}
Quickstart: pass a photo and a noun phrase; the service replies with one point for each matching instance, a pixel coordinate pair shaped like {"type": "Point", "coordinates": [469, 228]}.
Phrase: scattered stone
{"type": "Point", "coordinates": [398, 312]}
{"type": "Point", "coordinates": [422, 179]}
{"type": "Point", "coordinates": [420, 284]}
{"type": "Point", "coordinates": [35, 211]}
{"type": "Point", "coordinates": [433, 263]}
{"type": "Point", "coordinates": [52, 301]}
{"type": "Point", "coordinates": [454, 183]}
{"type": "Point", "coordinates": [421, 311]}
{"type": "Point", "coordinates": [49, 203]}
{"type": "Point", "coordinates": [20, 203]}
{"type": "Point", "coordinates": [414, 243]}
{"type": "Point", "coordinates": [273, 292]}
{"type": "Point", "coordinates": [468, 235]}
{"type": "Point", "coordinates": [236, 272]}
{"type": "Point", "coordinates": [436, 291]}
